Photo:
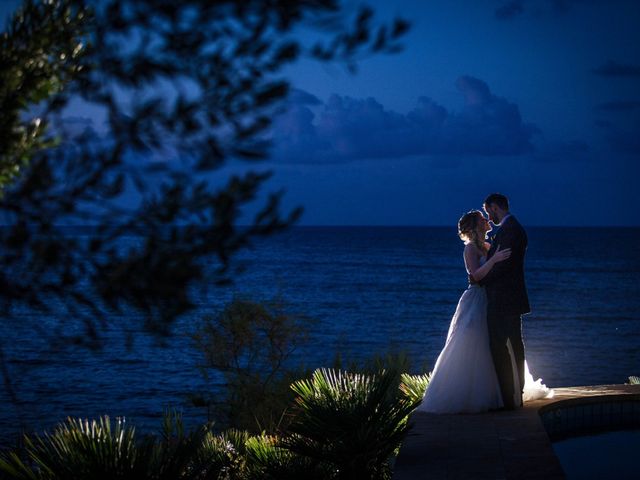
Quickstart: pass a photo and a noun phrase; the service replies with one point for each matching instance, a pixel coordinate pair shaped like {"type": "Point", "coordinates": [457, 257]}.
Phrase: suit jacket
{"type": "Point", "coordinates": [504, 284]}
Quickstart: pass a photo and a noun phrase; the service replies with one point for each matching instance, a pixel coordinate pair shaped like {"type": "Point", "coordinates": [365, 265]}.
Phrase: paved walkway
{"type": "Point", "coordinates": [497, 445]}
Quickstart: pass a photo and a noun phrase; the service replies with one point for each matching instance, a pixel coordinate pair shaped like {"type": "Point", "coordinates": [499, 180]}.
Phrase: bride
{"type": "Point", "coordinates": [464, 378]}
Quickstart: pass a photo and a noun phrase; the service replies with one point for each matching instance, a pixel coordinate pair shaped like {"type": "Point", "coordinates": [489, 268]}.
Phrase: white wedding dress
{"type": "Point", "coordinates": [464, 379]}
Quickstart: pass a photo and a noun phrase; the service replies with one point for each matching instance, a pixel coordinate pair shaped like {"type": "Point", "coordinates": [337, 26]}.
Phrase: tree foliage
{"type": "Point", "coordinates": [41, 51]}
{"type": "Point", "coordinates": [171, 91]}
{"type": "Point", "coordinates": [175, 90]}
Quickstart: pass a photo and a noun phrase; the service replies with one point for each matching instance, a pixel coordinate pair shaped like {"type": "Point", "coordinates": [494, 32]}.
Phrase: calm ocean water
{"type": "Point", "coordinates": [371, 289]}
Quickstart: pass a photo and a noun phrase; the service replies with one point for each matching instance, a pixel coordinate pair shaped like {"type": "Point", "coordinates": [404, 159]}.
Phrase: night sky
{"type": "Point", "coordinates": [536, 99]}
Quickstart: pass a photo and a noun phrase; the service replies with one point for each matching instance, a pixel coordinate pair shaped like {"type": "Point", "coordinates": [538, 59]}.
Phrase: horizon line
{"type": "Point", "coordinates": [363, 225]}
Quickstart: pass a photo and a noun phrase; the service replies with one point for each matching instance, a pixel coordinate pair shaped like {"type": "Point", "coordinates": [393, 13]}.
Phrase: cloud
{"type": "Point", "coordinates": [537, 8]}
{"type": "Point", "coordinates": [600, 123]}
{"type": "Point", "coordinates": [614, 69]}
{"type": "Point", "coordinates": [345, 128]}
{"type": "Point", "coordinates": [618, 106]}
{"type": "Point", "coordinates": [73, 126]}
{"type": "Point", "coordinates": [565, 152]}
{"type": "Point", "coordinates": [301, 97]}
{"type": "Point", "coordinates": [509, 10]}
{"type": "Point", "coordinates": [622, 128]}
{"type": "Point", "coordinates": [562, 6]}
{"type": "Point", "coordinates": [624, 140]}
{"type": "Point", "coordinates": [573, 147]}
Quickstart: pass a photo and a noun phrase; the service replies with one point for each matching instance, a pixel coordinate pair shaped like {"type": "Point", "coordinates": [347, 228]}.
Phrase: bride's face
{"type": "Point", "coordinates": [483, 226]}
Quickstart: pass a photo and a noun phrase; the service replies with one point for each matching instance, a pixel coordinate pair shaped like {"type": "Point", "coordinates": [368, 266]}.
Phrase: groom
{"type": "Point", "coordinates": [507, 300]}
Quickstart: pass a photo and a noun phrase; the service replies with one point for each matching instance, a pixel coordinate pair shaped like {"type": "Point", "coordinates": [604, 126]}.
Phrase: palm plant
{"type": "Point", "coordinates": [176, 454]}
{"type": "Point", "coordinates": [80, 449]}
{"type": "Point", "coordinates": [353, 422]}
{"type": "Point", "coordinates": [102, 449]}
{"type": "Point", "coordinates": [222, 456]}
{"type": "Point", "coordinates": [268, 459]}
{"type": "Point", "coordinates": [414, 386]}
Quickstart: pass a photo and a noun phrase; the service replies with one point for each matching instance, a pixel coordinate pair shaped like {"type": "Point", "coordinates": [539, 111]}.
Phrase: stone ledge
{"type": "Point", "coordinates": [495, 445]}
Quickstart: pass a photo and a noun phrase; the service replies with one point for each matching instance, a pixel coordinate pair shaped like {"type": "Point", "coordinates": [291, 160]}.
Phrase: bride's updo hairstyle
{"type": "Point", "coordinates": [467, 229]}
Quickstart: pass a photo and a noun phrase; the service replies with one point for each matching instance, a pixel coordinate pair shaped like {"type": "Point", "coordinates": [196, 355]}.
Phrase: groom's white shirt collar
{"type": "Point", "coordinates": [504, 219]}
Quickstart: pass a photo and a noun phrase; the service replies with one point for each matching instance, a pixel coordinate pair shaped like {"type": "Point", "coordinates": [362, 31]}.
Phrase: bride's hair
{"type": "Point", "coordinates": [467, 229]}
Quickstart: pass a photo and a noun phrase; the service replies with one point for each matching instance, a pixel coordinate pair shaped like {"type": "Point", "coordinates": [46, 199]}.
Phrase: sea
{"type": "Point", "coordinates": [369, 290]}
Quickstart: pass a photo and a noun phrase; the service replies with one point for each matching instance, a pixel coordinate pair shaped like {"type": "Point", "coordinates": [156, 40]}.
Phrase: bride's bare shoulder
{"type": "Point", "coordinates": [471, 248]}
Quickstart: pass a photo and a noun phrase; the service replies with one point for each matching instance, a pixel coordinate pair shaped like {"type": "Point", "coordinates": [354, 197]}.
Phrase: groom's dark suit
{"type": "Point", "coordinates": [507, 301]}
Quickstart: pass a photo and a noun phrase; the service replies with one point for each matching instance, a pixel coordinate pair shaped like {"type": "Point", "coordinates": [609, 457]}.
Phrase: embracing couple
{"type": "Point", "coordinates": [482, 365]}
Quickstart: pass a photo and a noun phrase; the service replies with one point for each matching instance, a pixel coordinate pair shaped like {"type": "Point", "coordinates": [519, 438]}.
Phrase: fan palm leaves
{"type": "Point", "coordinates": [267, 458]}
{"type": "Point", "coordinates": [175, 455]}
{"type": "Point", "coordinates": [102, 449]}
{"type": "Point", "coordinates": [342, 426]}
{"type": "Point", "coordinates": [353, 421]}
{"type": "Point", "coordinates": [414, 386]}
{"type": "Point", "coordinates": [81, 449]}
{"type": "Point", "coordinates": [223, 456]}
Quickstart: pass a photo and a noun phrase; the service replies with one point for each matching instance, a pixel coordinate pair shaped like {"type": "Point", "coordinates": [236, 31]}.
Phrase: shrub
{"type": "Point", "coordinates": [267, 458]}
{"type": "Point", "coordinates": [354, 422]}
{"type": "Point", "coordinates": [102, 449]}
{"type": "Point", "coordinates": [251, 343]}
{"type": "Point", "coordinates": [343, 426]}
{"type": "Point", "coordinates": [414, 386]}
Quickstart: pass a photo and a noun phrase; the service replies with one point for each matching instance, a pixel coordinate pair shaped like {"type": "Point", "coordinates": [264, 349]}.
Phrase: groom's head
{"type": "Point", "coordinates": [496, 206]}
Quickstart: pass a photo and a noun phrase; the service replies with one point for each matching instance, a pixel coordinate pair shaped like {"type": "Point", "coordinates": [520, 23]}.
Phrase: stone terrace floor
{"type": "Point", "coordinates": [495, 445]}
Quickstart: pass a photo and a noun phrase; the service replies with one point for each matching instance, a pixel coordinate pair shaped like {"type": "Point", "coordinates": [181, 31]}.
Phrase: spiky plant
{"type": "Point", "coordinates": [633, 380]}
{"type": "Point", "coordinates": [268, 459]}
{"type": "Point", "coordinates": [103, 449]}
{"type": "Point", "coordinates": [175, 454]}
{"type": "Point", "coordinates": [81, 449]}
{"type": "Point", "coordinates": [354, 422]}
{"type": "Point", "coordinates": [223, 456]}
{"type": "Point", "coordinates": [414, 386]}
